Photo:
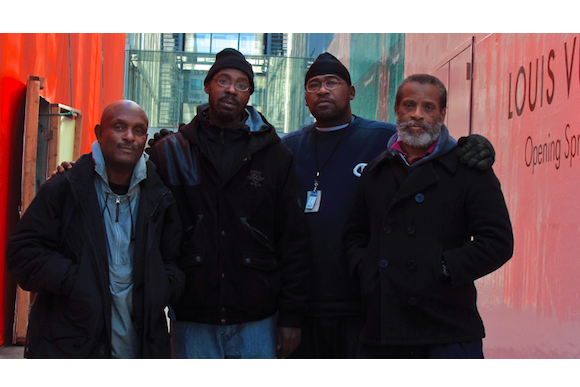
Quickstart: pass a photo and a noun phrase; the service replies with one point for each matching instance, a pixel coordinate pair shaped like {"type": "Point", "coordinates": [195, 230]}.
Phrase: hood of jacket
{"type": "Point", "coordinates": [261, 133]}
{"type": "Point", "coordinates": [139, 172]}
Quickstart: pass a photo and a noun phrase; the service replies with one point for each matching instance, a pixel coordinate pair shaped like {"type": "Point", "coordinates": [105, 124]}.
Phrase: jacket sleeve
{"type": "Point", "coordinates": [293, 248]}
{"type": "Point", "coordinates": [492, 242]}
{"type": "Point", "coordinates": [356, 234]}
{"type": "Point", "coordinates": [170, 247]}
{"type": "Point", "coordinates": [32, 255]}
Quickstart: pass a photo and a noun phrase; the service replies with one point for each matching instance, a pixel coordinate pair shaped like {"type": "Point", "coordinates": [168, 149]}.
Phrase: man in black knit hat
{"type": "Point", "coordinates": [246, 251]}
{"type": "Point", "coordinates": [330, 156]}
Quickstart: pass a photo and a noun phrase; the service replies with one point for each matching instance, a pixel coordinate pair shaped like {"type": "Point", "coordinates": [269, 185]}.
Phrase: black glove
{"type": "Point", "coordinates": [156, 137]}
{"type": "Point", "coordinates": [476, 151]}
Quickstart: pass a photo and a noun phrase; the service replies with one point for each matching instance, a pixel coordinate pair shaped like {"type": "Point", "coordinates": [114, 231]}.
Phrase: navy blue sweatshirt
{"type": "Point", "coordinates": [333, 292]}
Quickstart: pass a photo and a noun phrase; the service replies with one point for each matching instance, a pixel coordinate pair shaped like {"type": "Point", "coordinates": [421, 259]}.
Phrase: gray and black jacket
{"type": "Point", "coordinates": [247, 253]}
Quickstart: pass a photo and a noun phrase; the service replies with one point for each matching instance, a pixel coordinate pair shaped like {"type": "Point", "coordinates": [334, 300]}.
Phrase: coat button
{"type": "Point", "coordinates": [224, 232]}
{"type": "Point", "coordinates": [419, 198]}
{"type": "Point", "coordinates": [412, 265]}
{"type": "Point", "coordinates": [383, 263]}
{"type": "Point", "coordinates": [412, 301]}
{"type": "Point", "coordinates": [223, 321]}
{"type": "Point", "coordinates": [223, 310]}
{"type": "Point", "coordinates": [247, 260]}
{"type": "Point", "coordinates": [198, 259]}
{"type": "Point", "coordinates": [411, 230]}
{"type": "Point", "coordinates": [387, 230]}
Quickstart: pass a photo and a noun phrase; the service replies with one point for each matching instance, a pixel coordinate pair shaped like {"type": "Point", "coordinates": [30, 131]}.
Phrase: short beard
{"type": "Point", "coordinates": [414, 140]}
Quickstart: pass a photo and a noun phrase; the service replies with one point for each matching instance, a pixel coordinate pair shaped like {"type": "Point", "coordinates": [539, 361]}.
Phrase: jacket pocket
{"type": "Point", "coordinates": [201, 288]}
{"type": "Point", "coordinates": [262, 281]}
{"type": "Point", "coordinates": [193, 259]}
{"type": "Point", "coordinates": [436, 262]}
{"type": "Point", "coordinates": [74, 323]}
{"type": "Point", "coordinates": [260, 237]}
{"type": "Point", "coordinates": [367, 276]}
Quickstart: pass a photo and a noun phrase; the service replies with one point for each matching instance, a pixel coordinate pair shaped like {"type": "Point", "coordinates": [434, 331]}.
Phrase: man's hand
{"type": "Point", "coordinates": [287, 340]}
{"type": "Point", "coordinates": [156, 137]}
{"type": "Point", "coordinates": [64, 166]}
{"type": "Point", "coordinates": [476, 151]}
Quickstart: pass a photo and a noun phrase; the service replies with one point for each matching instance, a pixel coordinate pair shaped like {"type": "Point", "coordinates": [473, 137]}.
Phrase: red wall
{"type": "Point", "coordinates": [531, 306]}
{"type": "Point", "coordinates": [96, 69]}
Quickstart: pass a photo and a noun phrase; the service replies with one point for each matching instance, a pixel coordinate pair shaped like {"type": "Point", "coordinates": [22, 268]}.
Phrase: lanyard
{"type": "Point", "coordinates": [318, 170]}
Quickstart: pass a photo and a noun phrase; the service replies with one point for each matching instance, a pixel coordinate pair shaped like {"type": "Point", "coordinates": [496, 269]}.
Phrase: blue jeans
{"type": "Point", "coordinates": [253, 340]}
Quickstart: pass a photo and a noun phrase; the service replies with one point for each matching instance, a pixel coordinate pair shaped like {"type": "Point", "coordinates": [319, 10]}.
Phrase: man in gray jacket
{"type": "Point", "coordinates": [99, 245]}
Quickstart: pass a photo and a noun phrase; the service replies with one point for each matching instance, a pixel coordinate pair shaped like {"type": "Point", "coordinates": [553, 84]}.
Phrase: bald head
{"type": "Point", "coordinates": [123, 106]}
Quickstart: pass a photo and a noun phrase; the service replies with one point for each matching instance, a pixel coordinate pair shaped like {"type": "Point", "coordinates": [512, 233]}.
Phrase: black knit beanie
{"type": "Point", "coordinates": [327, 64]}
{"type": "Point", "coordinates": [231, 59]}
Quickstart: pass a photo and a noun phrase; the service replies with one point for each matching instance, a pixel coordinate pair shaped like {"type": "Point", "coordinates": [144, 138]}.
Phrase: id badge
{"type": "Point", "coordinates": [313, 201]}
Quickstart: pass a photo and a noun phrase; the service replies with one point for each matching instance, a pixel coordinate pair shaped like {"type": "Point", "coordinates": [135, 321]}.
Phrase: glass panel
{"type": "Point", "coordinates": [221, 41]}
{"type": "Point", "coordinates": [198, 42]}
{"type": "Point", "coordinates": [169, 87]}
{"type": "Point", "coordinates": [66, 139]}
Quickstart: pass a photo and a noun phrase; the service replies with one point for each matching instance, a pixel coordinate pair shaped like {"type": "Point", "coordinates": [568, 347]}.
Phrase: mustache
{"type": "Point", "coordinates": [408, 124]}
{"type": "Point", "coordinates": [127, 146]}
{"type": "Point", "coordinates": [323, 100]}
{"type": "Point", "coordinates": [229, 99]}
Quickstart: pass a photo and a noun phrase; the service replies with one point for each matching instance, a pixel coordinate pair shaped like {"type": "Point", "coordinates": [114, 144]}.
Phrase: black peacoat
{"type": "Point", "coordinates": [404, 224]}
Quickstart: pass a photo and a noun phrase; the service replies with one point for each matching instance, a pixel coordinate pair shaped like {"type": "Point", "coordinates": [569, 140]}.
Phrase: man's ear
{"type": "Point", "coordinates": [443, 112]}
{"type": "Point", "coordinates": [351, 92]}
{"type": "Point", "coordinates": [98, 132]}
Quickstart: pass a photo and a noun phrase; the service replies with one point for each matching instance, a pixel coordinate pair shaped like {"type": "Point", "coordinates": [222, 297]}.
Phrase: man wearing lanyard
{"type": "Point", "coordinates": [330, 156]}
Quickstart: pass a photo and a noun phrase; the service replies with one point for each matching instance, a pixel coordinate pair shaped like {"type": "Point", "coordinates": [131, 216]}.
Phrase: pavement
{"type": "Point", "coordinates": [12, 352]}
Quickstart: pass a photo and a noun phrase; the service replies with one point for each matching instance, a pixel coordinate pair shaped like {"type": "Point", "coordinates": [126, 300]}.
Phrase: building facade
{"type": "Point", "coordinates": [519, 90]}
{"type": "Point", "coordinates": [165, 73]}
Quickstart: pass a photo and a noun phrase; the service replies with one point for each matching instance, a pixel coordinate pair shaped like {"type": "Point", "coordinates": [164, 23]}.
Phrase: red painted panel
{"type": "Point", "coordinates": [527, 95]}
{"type": "Point", "coordinates": [47, 55]}
{"type": "Point", "coordinates": [531, 306]}
{"type": "Point", "coordinates": [459, 95]}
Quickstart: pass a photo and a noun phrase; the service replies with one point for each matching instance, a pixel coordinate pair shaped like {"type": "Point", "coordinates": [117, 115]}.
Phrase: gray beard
{"type": "Point", "coordinates": [414, 140]}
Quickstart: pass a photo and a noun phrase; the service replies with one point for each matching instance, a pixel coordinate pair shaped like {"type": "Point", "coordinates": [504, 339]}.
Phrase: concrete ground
{"type": "Point", "coordinates": [12, 352]}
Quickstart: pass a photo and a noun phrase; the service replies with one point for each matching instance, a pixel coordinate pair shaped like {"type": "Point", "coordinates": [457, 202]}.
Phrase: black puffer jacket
{"type": "Point", "coordinates": [71, 318]}
{"type": "Point", "coordinates": [247, 252]}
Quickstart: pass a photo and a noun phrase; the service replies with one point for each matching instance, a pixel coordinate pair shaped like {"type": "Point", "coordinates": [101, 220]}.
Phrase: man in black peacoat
{"type": "Point", "coordinates": [422, 228]}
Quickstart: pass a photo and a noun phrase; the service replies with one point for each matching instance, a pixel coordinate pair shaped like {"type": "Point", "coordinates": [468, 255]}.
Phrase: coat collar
{"type": "Point", "coordinates": [81, 178]}
{"type": "Point", "coordinates": [262, 133]}
{"type": "Point", "coordinates": [422, 174]}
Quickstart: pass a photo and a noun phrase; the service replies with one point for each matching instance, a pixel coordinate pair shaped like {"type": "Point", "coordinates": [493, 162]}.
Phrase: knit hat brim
{"type": "Point", "coordinates": [231, 59]}
{"type": "Point", "coordinates": [327, 64]}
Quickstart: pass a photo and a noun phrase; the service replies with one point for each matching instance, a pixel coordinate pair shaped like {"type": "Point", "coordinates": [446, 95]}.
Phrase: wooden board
{"type": "Point", "coordinates": [23, 298]}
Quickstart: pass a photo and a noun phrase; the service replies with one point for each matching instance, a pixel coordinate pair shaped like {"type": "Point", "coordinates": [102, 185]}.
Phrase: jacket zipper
{"type": "Point", "coordinates": [117, 204]}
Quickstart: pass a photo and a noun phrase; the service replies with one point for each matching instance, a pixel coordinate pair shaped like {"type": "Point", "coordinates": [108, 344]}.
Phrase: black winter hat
{"type": "Point", "coordinates": [231, 59]}
{"type": "Point", "coordinates": [327, 64]}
